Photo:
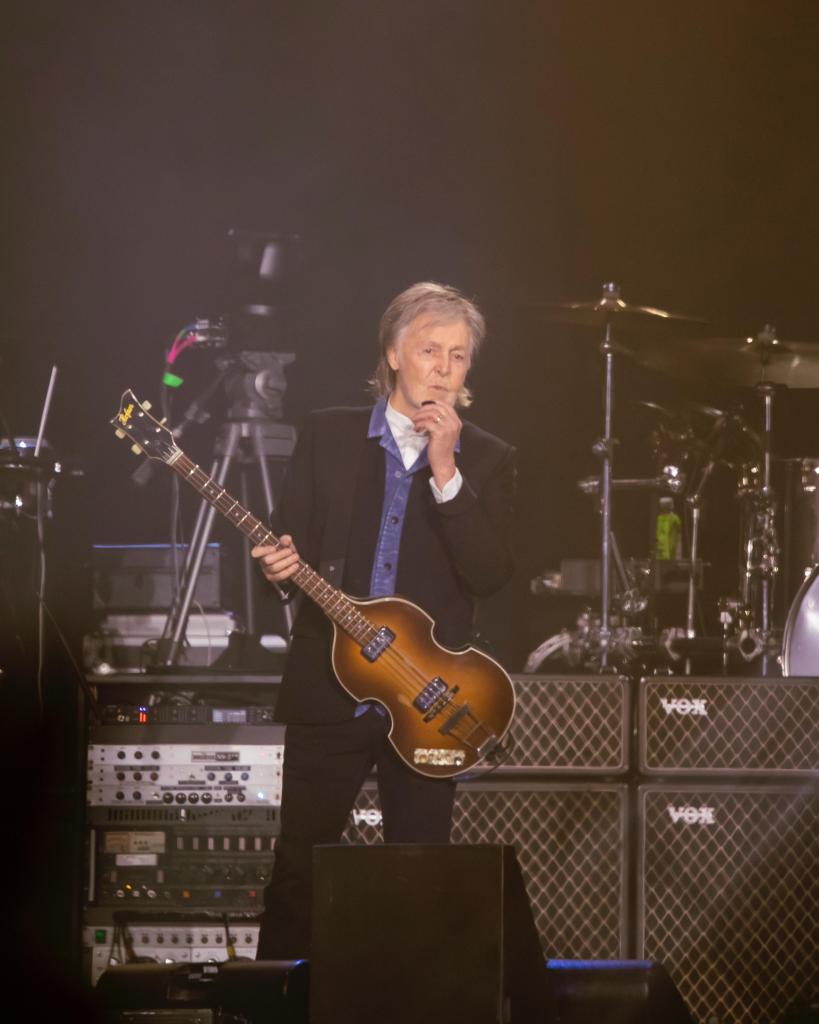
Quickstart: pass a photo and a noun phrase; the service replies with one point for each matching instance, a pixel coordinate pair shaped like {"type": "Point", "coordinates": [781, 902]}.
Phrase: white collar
{"type": "Point", "coordinates": [402, 427]}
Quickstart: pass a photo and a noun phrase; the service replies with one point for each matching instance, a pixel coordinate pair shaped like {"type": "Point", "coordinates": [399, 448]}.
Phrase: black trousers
{"type": "Point", "coordinates": [324, 768]}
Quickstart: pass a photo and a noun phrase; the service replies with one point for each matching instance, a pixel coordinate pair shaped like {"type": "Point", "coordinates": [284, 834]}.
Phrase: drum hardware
{"type": "Point", "coordinates": [677, 646]}
{"type": "Point", "coordinates": [670, 481]}
{"type": "Point", "coordinates": [602, 315]}
{"type": "Point", "coordinates": [594, 639]}
{"type": "Point", "coordinates": [27, 475]}
{"type": "Point", "coordinates": [760, 536]}
{"type": "Point", "coordinates": [561, 641]}
{"type": "Point", "coordinates": [604, 447]}
{"type": "Point", "coordinates": [27, 480]}
{"type": "Point", "coordinates": [744, 640]}
{"type": "Point", "coordinates": [582, 647]}
{"type": "Point", "coordinates": [765, 363]}
{"type": "Point", "coordinates": [580, 577]}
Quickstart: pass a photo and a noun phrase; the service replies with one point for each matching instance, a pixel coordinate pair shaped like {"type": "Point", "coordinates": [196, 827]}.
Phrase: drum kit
{"type": "Point", "coordinates": [778, 528]}
{"type": "Point", "coordinates": [28, 471]}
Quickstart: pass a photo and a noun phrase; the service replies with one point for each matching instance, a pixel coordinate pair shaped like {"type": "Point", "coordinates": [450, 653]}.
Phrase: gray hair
{"type": "Point", "coordinates": [427, 298]}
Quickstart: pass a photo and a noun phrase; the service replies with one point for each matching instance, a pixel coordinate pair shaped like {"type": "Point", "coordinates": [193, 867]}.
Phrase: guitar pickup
{"type": "Point", "coordinates": [433, 691]}
{"type": "Point", "coordinates": [379, 643]}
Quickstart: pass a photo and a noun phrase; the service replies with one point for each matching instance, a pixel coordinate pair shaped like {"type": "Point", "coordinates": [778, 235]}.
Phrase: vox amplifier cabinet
{"type": "Point", "coordinates": [185, 765]}
{"type": "Point", "coordinates": [728, 895]}
{"type": "Point", "coordinates": [730, 726]}
{"type": "Point", "coordinates": [179, 858]}
{"type": "Point", "coordinates": [569, 724]}
{"type": "Point", "coordinates": [196, 942]}
{"type": "Point", "coordinates": [572, 846]}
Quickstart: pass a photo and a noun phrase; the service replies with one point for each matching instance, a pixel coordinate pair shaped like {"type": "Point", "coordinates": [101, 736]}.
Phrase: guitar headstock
{"type": "Point", "coordinates": [149, 435]}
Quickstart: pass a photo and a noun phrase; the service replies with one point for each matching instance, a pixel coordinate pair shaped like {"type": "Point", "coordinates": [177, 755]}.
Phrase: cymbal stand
{"type": "Point", "coordinates": [761, 546]}
{"type": "Point", "coordinates": [694, 503]}
{"type": "Point", "coordinates": [604, 447]}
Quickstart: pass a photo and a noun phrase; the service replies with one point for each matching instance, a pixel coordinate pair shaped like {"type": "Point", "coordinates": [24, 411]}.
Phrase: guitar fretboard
{"type": "Point", "coordinates": [333, 602]}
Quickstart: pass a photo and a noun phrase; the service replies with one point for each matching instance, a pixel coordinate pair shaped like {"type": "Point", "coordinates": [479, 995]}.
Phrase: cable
{"type": "Point", "coordinates": [89, 696]}
{"type": "Point", "coordinates": [40, 593]}
{"type": "Point", "coordinates": [184, 339]}
{"type": "Point", "coordinates": [230, 949]}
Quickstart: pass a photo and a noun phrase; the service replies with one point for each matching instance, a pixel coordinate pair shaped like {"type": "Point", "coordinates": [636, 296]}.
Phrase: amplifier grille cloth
{"type": "Point", "coordinates": [569, 722]}
{"type": "Point", "coordinates": [750, 725]}
{"type": "Point", "coordinates": [570, 846]}
{"type": "Point", "coordinates": [731, 908]}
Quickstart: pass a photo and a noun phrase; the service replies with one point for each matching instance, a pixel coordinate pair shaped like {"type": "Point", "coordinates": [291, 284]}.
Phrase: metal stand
{"type": "Point", "coordinates": [250, 437]}
{"type": "Point", "coordinates": [265, 443]}
{"type": "Point", "coordinates": [761, 545]}
{"type": "Point", "coordinates": [604, 447]}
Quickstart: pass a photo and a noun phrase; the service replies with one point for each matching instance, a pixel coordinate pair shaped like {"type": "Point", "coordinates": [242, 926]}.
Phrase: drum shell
{"type": "Point", "coordinates": [800, 641]}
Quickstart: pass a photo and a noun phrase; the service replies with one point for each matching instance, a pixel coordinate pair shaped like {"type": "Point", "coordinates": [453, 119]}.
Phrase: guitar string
{"type": "Point", "coordinates": [226, 504]}
{"type": "Point", "coordinates": [204, 482]}
{"type": "Point", "coordinates": [407, 673]}
{"type": "Point", "coordinates": [404, 668]}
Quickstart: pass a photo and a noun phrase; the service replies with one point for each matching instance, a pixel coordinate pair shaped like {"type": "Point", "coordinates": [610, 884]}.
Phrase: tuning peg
{"type": "Point", "coordinates": [163, 421]}
{"type": "Point", "coordinates": [119, 433]}
{"type": "Point", "coordinates": [146, 406]}
{"type": "Point", "coordinates": [136, 449]}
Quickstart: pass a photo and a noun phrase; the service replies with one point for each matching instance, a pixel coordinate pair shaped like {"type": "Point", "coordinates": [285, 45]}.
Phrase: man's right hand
{"type": "Point", "coordinates": [279, 561]}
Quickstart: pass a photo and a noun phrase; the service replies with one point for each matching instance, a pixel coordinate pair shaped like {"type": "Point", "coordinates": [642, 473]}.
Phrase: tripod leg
{"type": "Point", "coordinates": [170, 646]}
{"type": "Point", "coordinates": [193, 546]}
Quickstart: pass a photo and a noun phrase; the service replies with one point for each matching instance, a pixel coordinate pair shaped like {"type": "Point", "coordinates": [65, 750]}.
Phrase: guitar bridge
{"type": "Point", "coordinates": [379, 643]}
{"type": "Point", "coordinates": [453, 720]}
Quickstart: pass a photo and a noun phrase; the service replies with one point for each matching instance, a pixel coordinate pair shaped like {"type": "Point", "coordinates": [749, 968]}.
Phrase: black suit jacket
{"type": "Point", "coordinates": [451, 553]}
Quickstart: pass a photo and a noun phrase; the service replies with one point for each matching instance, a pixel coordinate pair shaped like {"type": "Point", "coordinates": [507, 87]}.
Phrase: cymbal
{"type": "Point", "coordinates": [612, 309]}
{"type": "Point", "coordinates": [734, 362]}
{"type": "Point", "coordinates": [656, 409]}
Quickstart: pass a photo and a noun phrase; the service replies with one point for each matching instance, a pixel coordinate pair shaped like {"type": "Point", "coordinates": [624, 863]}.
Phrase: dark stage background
{"type": "Point", "coordinates": [523, 152]}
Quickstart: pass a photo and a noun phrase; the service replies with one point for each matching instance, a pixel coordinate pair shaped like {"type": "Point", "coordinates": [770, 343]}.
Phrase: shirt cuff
{"type": "Point", "coordinates": [450, 489]}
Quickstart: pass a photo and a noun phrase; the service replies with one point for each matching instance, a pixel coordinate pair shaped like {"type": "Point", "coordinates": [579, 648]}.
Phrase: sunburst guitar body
{"type": "Point", "coordinates": [449, 710]}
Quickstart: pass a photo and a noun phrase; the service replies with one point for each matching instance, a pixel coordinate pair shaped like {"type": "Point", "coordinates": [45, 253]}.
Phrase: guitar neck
{"type": "Point", "coordinates": [333, 602]}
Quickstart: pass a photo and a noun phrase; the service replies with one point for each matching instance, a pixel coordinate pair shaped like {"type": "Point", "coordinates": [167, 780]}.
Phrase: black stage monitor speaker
{"type": "Point", "coordinates": [572, 846]}
{"type": "Point", "coordinates": [404, 933]}
{"type": "Point", "coordinates": [612, 992]}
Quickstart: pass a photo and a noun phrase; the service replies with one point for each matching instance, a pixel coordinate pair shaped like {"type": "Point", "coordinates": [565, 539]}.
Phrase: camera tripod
{"type": "Point", "coordinates": [250, 435]}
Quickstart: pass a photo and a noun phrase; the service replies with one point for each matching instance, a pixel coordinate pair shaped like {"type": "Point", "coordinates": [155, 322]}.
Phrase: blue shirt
{"type": "Point", "coordinates": [397, 485]}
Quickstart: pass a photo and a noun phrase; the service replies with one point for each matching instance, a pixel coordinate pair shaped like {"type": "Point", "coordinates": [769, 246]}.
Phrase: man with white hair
{"type": "Point", "coordinates": [400, 498]}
